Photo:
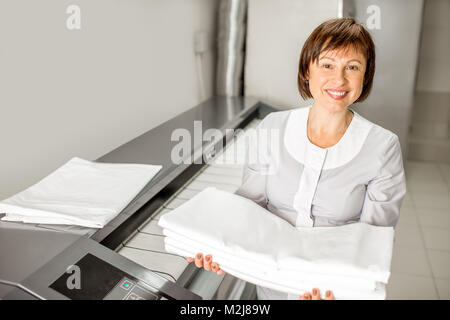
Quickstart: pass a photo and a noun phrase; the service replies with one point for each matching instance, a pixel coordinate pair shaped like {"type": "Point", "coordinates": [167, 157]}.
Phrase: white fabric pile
{"type": "Point", "coordinates": [251, 243]}
{"type": "Point", "coordinates": [80, 192]}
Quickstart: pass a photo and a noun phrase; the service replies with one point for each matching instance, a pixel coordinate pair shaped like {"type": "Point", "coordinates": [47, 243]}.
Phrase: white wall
{"type": "Point", "coordinates": [429, 139]}
{"type": "Point", "coordinates": [84, 92]}
{"type": "Point", "coordinates": [434, 65]}
{"type": "Point", "coordinates": [276, 32]}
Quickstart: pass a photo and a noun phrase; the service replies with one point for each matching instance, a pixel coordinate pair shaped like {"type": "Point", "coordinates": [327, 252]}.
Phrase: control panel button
{"type": "Point", "coordinates": [126, 284]}
{"type": "Point", "coordinates": [133, 296]}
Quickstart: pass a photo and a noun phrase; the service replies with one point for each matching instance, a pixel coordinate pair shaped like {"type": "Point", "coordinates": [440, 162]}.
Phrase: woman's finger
{"type": "Point", "coordinates": [199, 260]}
{"type": "Point", "coordinates": [215, 267]}
{"type": "Point", "coordinates": [329, 295]}
{"type": "Point", "coordinates": [190, 259]}
{"type": "Point", "coordinates": [315, 294]}
{"type": "Point", "coordinates": [207, 262]}
{"type": "Point", "coordinates": [220, 272]}
{"type": "Point", "coordinates": [306, 296]}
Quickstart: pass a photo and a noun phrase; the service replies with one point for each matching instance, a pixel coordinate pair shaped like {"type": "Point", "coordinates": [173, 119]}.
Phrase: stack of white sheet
{"type": "Point", "coordinates": [80, 192]}
{"type": "Point", "coordinates": [255, 245]}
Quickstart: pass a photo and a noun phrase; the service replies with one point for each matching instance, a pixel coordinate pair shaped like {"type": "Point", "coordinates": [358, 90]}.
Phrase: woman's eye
{"type": "Point", "coordinates": [353, 67]}
{"type": "Point", "coordinates": [327, 66]}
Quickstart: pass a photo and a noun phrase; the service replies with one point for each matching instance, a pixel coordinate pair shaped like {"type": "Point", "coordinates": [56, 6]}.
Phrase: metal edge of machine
{"type": "Point", "coordinates": [170, 181]}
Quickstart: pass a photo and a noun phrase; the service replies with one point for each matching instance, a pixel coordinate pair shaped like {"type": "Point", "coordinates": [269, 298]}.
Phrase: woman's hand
{"type": "Point", "coordinates": [207, 263]}
{"type": "Point", "coordinates": [316, 295]}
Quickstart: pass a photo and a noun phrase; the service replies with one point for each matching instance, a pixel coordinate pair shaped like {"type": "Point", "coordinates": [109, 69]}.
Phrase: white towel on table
{"type": "Point", "coordinates": [233, 226]}
{"type": "Point", "coordinates": [80, 192]}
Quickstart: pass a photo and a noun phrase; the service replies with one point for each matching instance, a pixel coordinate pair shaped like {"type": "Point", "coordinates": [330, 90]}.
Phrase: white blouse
{"type": "Point", "coordinates": [361, 178]}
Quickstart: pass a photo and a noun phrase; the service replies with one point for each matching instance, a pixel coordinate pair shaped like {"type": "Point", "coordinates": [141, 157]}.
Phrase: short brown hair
{"type": "Point", "coordinates": [334, 34]}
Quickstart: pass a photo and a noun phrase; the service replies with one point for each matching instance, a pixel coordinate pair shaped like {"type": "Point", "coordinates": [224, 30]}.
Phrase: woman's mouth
{"type": "Point", "coordinates": [337, 94]}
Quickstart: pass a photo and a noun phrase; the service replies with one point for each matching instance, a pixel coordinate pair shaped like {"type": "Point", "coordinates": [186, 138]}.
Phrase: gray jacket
{"type": "Point", "coordinates": [361, 178]}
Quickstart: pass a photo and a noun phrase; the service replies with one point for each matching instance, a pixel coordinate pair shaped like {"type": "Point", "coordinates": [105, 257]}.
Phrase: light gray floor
{"type": "Point", "coordinates": [421, 258]}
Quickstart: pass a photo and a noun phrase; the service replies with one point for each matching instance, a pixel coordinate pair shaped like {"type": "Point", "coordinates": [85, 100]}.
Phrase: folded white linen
{"type": "Point", "coordinates": [80, 192]}
{"type": "Point", "coordinates": [295, 279]}
{"type": "Point", "coordinates": [240, 236]}
{"type": "Point", "coordinates": [239, 226]}
{"type": "Point", "coordinates": [284, 285]}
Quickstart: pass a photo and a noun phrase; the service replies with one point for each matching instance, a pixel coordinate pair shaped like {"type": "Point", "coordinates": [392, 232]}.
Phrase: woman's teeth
{"type": "Point", "coordinates": [337, 93]}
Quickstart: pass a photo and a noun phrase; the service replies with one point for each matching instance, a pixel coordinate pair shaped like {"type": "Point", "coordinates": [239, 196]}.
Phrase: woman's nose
{"type": "Point", "coordinates": [339, 76]}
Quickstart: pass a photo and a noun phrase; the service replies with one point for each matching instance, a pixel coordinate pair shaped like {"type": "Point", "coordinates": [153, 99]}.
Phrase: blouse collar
{"type": "Point", "coordinates": [301, 149]}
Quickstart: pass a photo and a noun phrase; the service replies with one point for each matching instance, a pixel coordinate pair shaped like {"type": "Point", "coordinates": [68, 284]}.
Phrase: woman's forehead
{"type": "Point", "coordinates": [347, 53]}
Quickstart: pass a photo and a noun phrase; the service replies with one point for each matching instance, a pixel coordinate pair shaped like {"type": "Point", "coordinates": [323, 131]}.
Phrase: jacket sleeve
{"type": "Point", "coordinates": [256, 167]}
{"type": "Point", "coordinates": [385, 193]}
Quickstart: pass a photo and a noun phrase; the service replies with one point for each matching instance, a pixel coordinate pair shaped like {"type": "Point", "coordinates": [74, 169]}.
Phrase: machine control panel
{"type": "Point", "coordinates": [127, 289]}
{"type": "Point", "coordinates": [93, 278]}
{"type": "Point", "coordinates": [86, 270]}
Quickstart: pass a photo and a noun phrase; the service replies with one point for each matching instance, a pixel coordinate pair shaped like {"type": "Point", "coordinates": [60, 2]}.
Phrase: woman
{"type": "Point", "coordinates": [333, 166]}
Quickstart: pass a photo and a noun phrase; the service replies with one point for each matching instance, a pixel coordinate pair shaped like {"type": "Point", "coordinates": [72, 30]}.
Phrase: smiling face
{"type": "Point", "coordinates": [336, 79]}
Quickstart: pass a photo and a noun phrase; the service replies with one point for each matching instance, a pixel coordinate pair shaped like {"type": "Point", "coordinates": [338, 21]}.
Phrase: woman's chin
{"type": "Point", "coordinates": [335, 105]}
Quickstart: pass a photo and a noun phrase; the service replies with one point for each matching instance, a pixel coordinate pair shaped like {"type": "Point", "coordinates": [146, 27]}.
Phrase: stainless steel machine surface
{"type": "Point", "coordinates": [132, 242]}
